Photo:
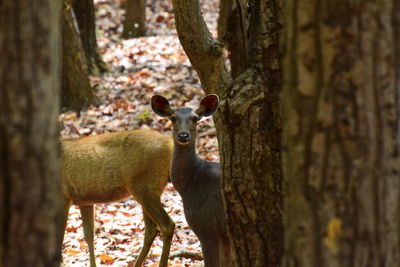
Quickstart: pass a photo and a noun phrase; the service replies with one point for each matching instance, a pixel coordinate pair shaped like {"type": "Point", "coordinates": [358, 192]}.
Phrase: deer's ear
{"type": "Point", "coordinates": [208, 106]}
{"type": "Point", "coordinates": [160, 105]}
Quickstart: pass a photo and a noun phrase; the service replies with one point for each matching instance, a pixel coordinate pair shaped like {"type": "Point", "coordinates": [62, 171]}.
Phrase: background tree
{"type": "Point", "coordinates": [248, 121]}
{"type": "Point", "coordinates": [85, 17]}
{"type": "Point", "coordinates": [341, 103]}
{"type": "Point", "coordinates": [76, 90]}
{"type": "Point", "coordinates": [30, 214]}
{"type": "Point", "coordinates": [135, 19]}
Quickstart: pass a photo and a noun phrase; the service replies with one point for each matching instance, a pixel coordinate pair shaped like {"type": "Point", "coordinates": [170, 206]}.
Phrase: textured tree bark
{"type": "Point", "coordinates": [232, 31]}
{"type": "Point", "coordinates": [85, 17]}
{"type": "Point", "coordinates": [135, 19]}
{"type": "Point", "coordinates": [248, 124]}
{"type": "Point", "coordinates": [76, 90]}
{"type": "Point", "coordinates": [31, 227]}
{"type": "Point", "coordinates": [341, 117]}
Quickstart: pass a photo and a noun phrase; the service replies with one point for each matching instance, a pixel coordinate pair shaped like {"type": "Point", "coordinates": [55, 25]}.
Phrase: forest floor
{"type": "Point", "coordinates": [138, 68]}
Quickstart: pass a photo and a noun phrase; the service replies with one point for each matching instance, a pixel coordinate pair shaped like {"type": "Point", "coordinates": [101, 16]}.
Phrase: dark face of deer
{"type": "Point", "coordinates": [184, 120]}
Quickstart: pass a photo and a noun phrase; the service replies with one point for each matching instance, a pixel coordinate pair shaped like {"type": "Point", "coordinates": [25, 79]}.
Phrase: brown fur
{"type": "Point", "coordinates": [110, 167]}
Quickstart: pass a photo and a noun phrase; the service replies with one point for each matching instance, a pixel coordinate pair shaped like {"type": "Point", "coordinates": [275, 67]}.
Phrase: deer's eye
{"type": "Point", "coordinates": [173, 119]}
{"type": "Point", "coordinates": [195, 119]}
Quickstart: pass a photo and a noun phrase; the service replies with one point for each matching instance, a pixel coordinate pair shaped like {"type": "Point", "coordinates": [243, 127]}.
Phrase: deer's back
{"type": "Point", "coordinates": [110, 167]}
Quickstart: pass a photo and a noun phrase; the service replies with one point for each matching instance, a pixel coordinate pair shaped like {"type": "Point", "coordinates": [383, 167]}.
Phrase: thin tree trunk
{"type": "Point", "coordinates": [248, 125]}
{"type": "Point", "coordinates": [204, 52]}
{"type": "Point", "coordinates": [342, 162]}
{"type": "Point", "coordinates": [31, 227]}
{"type": "Point", "coordinates": [135, 19]}
{"type": "Point", "coordinates": [85, 17]}
{"type": "Point", "coordinates": [76, 90]}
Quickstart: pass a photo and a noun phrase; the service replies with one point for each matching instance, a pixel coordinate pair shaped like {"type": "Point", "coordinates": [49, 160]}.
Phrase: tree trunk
{"type": "Point", "coordinates": [85, 17]}
{"type": "Point", "coordinates": [31, 227]}
{"type": "Point", "coordinates": [76, 90]}
{"type": "Point", "coordinates": [341, 105]}
{"type": "Point", "coordinates": [135, 19]}
{"type": "Point", "coordinates": [233, 33]}
{"type": "Point", "coordinates": [248, 123]}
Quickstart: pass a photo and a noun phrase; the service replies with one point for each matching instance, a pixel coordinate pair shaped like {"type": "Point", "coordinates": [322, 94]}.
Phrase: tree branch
{"type": "Point", "coordinates": [187, 255]}
{"type": "Point", "coordinates": [204, 52]}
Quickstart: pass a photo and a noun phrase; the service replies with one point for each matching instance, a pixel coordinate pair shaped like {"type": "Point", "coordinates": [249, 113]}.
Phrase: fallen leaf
{"type": "Point", "coordinates": [71, 251]}
{"type": "Point", "coordinates": [106, 258]}
{"type": "Point", "coordinates": [127, 214]}
{"type": "Point", "coordinates": [83, 245]}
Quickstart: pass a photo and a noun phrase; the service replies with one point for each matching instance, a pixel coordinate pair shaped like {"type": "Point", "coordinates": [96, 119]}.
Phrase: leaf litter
{"type": "Point", "coordinates": [138, 69]}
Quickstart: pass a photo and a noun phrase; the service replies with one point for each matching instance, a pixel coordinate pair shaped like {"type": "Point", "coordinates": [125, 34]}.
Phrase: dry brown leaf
{"type": "Point", "coordinates": [106, 258]}
{"type": "Point", "coordinates": [71, 252]}
{"type": "Point", "coordinates": [127, 214]}
{"type": "Point", "coordinates": [83, 245]}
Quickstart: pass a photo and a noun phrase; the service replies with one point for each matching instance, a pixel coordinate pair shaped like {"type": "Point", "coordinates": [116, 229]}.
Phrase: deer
{"type": "Point", "coordinates": [113, 166]}
{"type": "Point", "coordinates": [197, 181]}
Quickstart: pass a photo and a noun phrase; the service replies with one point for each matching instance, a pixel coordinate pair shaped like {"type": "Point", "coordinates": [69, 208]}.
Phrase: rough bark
{"type": "Point", "coordinates": [135, 19]}
{"type": "Point", "coordinates": [248, 125]}
{"type": "Point", "coordinates": [341, 106]}
{"type": "Point", "coordinates": [85, 17]}
{"type": "Point", "coordinates": [30, 214]}
{"type": "Point", "coordinates": [232, 31]}
{"type": "Point", "coordinates": [76, 90]}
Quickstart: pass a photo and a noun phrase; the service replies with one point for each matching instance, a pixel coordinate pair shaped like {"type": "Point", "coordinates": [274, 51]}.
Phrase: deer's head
{"type": "Point", "coordinates": [184, 119]}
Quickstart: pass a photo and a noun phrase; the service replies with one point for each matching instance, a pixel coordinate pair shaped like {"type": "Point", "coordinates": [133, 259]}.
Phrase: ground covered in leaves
{"type": "Point", "coordinates": [138, 68]}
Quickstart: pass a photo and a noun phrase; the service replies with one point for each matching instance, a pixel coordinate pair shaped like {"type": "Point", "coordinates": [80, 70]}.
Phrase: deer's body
{"type": "Point", "coordinates": [110, 167]}
{"type": "Point", "coordinates": [192, 177]}
{"type": "Point", "coordinates": [197, 181]}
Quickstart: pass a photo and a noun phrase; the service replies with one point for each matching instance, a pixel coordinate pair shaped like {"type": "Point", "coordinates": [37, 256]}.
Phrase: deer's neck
{"type": "Point", "coordinates": [184, 165]}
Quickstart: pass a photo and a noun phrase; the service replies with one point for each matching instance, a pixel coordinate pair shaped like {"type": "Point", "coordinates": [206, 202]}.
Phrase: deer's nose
{"type": "Point", "coordinates": [183, 137]}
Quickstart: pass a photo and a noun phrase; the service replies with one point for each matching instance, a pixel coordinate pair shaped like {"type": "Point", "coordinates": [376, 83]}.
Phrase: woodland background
{"type": "Point", "coordinates": [137, 69]}
{"type": "Point", "coordinates": [308, 126]}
